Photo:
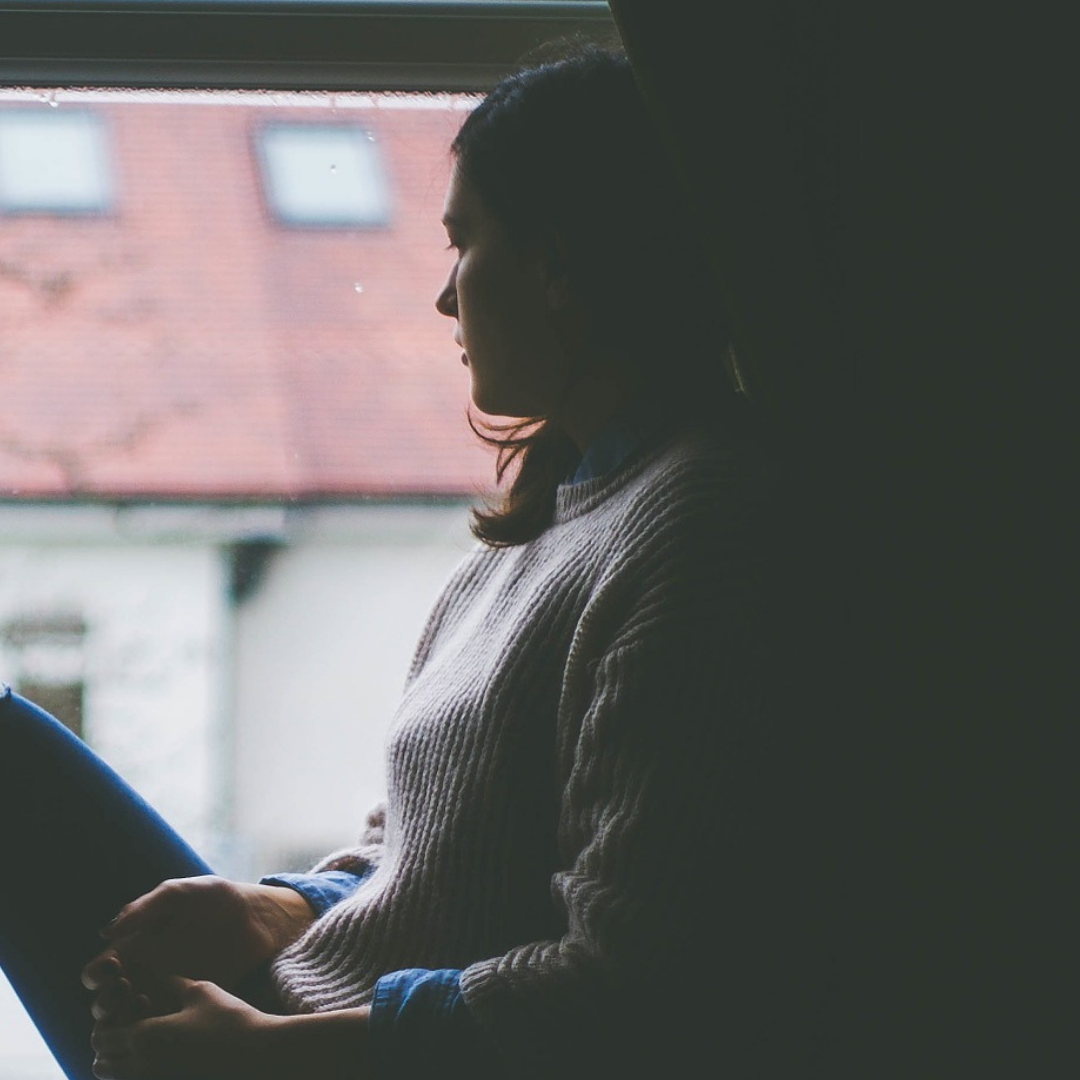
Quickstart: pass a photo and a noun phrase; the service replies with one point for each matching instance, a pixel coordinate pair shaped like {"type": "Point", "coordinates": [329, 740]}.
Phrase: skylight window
{"type": "Point", "coordinates": [53, 162]}
{"type": "Point", "coordinates": [323, 175]}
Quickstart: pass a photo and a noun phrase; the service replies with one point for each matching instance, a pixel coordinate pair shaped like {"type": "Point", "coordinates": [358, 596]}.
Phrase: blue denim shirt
{"type": "Point", "coordinates": [618, 440]}
{"type": "Point", "coordinates": [419, 1021]}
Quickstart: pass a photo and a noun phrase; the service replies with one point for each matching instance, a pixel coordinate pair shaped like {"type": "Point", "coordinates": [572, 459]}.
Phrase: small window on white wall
{"type": "Point", "coordinates": [63, 700]}
{"type": "Point", "coordinates": [45, 655]}
{"type": "Point", "coordinates": [54, 161]}
{"type": "Point", "coordinates": [323, 175]}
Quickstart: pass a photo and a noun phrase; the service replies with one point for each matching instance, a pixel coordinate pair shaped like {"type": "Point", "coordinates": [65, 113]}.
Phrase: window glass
{"type": "Point", "coordinates": [235, 465]}
{"type": "Point", "coordinates": [54, 162]}
{"type": "Point", "coordinates": [197, 402]}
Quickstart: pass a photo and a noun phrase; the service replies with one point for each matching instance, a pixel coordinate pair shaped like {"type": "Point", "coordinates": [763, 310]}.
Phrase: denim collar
{"type": "Point", "coordinates": [617, 441]}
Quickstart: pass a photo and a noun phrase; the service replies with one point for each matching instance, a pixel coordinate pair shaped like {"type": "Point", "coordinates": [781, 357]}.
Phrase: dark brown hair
{"type": "Point", "coordinates": [566, 156]}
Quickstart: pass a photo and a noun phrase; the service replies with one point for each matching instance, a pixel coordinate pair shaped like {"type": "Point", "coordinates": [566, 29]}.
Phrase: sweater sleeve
{"type": "Point", "coordinates": [665, 924]}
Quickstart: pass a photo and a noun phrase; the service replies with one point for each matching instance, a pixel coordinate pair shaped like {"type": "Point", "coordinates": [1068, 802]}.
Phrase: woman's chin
{"type": "Point", "coordinates": [494, 409]}
{"type": "Point", "coordinates": [491, 401]}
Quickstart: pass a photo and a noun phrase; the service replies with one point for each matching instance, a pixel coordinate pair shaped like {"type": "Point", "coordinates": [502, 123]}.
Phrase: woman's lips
{"type": "Point", "coordinates": [464, 359]}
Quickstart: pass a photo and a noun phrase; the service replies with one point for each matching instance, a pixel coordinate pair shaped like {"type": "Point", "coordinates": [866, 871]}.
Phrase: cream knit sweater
{"type": "Point", "coordinates": [573, 708]}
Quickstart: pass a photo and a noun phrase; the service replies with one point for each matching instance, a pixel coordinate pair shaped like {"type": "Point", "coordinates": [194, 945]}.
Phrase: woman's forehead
{"type": "Point", "coordinates": [463, 206]}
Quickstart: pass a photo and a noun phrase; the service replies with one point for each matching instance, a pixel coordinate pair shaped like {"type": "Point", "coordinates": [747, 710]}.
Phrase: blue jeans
{"type": "Point", "coordinates": [76, 845]}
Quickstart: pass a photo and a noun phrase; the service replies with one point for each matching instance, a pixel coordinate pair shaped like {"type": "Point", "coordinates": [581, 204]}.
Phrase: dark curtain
{"type": "Point", "coordinates": [745, 94]}
{"type": "Point", "coordinates": [883, 188]}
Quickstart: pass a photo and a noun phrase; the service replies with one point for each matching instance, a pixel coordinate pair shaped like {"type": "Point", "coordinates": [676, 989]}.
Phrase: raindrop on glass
{"type": "Point", "coordinates": [333, 168]}
{"type": "Point", "coordinates": [358, 287]}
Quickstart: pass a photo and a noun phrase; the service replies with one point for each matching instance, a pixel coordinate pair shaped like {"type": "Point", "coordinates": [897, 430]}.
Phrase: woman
{"type": "Point", "coordinates": [567, 877]}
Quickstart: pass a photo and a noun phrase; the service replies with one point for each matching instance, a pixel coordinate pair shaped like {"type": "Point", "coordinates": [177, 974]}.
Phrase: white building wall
{"type": "Point", "coordinates": [322, 649]}
{"type": "Point", "coordinates": [155, 625]}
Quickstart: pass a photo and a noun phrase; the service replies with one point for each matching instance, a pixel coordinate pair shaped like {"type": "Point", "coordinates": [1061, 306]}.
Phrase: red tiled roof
{"type": "Point", "coordinates": [188, 346]}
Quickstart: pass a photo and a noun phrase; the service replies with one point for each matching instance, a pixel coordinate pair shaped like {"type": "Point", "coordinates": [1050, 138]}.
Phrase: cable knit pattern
{"type": "Point", "coordinates": [572, 707]}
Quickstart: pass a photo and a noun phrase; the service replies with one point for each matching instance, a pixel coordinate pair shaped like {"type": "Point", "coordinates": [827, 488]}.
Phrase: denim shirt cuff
{"type": "Point", "coordinates": [322, 891]}
{"type": "Point", "coordinates": [421, 1027]}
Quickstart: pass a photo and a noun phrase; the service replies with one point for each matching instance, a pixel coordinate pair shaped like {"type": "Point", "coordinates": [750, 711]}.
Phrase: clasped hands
{"type": "Point", "coordinates": [165, 988]}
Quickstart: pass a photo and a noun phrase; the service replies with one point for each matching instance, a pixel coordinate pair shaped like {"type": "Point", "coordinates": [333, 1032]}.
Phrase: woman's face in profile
{"type": "Point", "coordinates": [502, 303]}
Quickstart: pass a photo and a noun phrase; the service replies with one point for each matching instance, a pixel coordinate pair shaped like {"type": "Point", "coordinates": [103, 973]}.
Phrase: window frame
{"type": "Point", "coordinates": [451, 45]}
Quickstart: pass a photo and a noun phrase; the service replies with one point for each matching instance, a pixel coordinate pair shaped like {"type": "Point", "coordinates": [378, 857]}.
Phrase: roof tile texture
{"type": "Point", "coordinates": [189, 346]}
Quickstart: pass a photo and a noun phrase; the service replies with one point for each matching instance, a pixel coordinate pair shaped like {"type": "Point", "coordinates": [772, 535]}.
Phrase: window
{"type": "Point", "coordinates": [235, 449]}
{"type": "Point", "coordinates": [322, 175]}
{"type": "Point", "coordinates": [45, 654]}
{"type": "Point", "coordinates": [150, 579]}
{"type": "Point", "coordinates": [64, 700]}
{"type": "Point", "coordinates": [53, 162]}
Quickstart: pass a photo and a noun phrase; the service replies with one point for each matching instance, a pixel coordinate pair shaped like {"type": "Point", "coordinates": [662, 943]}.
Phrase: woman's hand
{"type": "Point", "coordinates": [215, 1036]}
{"type": "Point", "coordinates": [203, 928]}
{"type": "Point", "coordinates": [212, 1035]}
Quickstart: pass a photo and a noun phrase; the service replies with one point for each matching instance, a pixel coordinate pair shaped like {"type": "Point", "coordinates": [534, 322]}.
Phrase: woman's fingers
{"type": "Point", "coordinates": [130, 917]}
{"type": "Point", "coordinates": [149, 912]}
{"type": "Point", "coordinates": [109, 1040]}
{"type": "Point", "coordinates": [104, 970]}
{"type": "Point", "coordinates": [106, 1068]}
{"type": "Point", "coordinates": [113, 1003]}
{"type": "Point", "coordinates": [132, 1045]}
{"type": "Point", "coordinates": [112, 1053]}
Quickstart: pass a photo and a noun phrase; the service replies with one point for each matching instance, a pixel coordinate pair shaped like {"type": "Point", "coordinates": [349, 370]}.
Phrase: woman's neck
{"type": "Point", "coordinates": [594, 400]}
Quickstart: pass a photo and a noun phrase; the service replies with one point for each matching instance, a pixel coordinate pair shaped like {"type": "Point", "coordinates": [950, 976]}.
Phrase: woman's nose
{"type": "Point", "coordinates": [446, 301]}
